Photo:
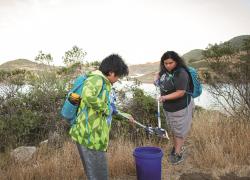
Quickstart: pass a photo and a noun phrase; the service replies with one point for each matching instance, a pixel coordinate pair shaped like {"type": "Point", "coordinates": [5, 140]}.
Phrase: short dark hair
{"type": "Point", "coordinates": [114, 63]}
{"type": "Point", "coordinates": [173, 55]}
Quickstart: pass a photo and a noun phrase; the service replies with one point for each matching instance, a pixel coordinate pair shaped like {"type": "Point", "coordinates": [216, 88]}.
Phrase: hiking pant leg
{"type": "Point", "coordinates": [94, 163]}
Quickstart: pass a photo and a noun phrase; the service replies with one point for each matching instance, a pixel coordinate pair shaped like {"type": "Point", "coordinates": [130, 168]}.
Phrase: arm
{"type": "Point", "coordinates": [175, 95]}
{"type": "Point", "coordinates": [126, 115]}
{"type": "Point", "coordinates": [115, 111]}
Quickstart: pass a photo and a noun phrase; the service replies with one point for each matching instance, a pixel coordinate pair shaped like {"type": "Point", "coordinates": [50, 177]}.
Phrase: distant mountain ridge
{"type": "Point", "coordinates": [238, 41]}
{"type": "Point", "coordinates": [193, 55]}
{"type": "Point", "coordinates": [139, 69]}
{"type": "Point", "coordinates": [23, 64]}
{"type": "Point", "coordinates": [143, 72]}
{"type": "Point", "coordinates": [196, 54]}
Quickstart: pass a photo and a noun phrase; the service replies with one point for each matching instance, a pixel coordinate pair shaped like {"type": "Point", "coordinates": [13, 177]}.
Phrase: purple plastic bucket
{"type": "Point", "coordinates": [148, 163]}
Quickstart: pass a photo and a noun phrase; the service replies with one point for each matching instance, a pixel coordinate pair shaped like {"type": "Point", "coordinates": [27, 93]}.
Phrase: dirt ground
{"type": "Point", "coordinates": [186, 171]}
{"type": "Point", "coordinates": [177, 174]}
{"type": "Point", "coordinates": [194, 176]}
{"type": "Point", "coordinates": [203, 176]}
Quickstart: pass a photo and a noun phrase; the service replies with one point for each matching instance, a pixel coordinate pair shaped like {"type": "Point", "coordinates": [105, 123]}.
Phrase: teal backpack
{"type": "Point", "coordinates": [197, 87]}
{"type": "Point", "coordinates": [69, 110]}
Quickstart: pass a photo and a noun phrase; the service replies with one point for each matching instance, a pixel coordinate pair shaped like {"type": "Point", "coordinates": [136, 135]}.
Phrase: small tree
{"type": "Point", "coordinates": [74, 55]}
{"type": "Point", "coordinates": [44, 58]}
{"type": "Point", "coordinates": [95, 64]}
{"type": "Point", "coordinates": [229, 77]}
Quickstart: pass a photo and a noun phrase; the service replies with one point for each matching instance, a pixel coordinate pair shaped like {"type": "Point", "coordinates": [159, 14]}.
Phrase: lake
{"type": "Point", "coordinates": [205, 100]}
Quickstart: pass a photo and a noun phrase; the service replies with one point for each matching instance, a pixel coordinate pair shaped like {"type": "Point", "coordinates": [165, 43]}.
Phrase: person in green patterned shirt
{"type": "Point", "coordinates": [91, 130]}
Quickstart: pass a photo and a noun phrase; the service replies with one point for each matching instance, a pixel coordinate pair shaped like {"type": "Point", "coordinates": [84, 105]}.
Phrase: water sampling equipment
{"type": "Point", "coordinates": [158, 131]}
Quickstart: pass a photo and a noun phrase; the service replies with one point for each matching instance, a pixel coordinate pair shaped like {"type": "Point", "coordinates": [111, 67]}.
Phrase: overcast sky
{"type": "Point", "coordinates": [139, 30]}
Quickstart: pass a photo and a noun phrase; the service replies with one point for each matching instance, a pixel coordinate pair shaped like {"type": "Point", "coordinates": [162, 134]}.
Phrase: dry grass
{"type": "Point", "coordinates": [48, 164]}
{"type": "Point", "coordinates": [219, 142]}
{"type": "Point", "coordinates": [120, 158]}
{"type": "Point", "coordinates": [216, 145]}
{"type": "Point", "coordinates": [219, 145]}
{"type": "Point", "coordinates": [64, 163]}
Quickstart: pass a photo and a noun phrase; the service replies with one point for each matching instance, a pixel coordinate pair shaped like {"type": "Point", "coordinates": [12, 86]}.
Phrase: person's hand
{"type": "Point", "coordinates": [162, 98]}
{"type": "Point", "coordinates": [132, 120]}
{"type": "Point", "coordinates": [156, 79]}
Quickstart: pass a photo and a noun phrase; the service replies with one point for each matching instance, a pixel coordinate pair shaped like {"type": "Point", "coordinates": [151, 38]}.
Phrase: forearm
{"type": "Point", "coordinates": [175, 95]}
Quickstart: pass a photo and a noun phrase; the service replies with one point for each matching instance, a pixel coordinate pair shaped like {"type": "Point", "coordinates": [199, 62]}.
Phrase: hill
{"type": "Point", "coordinates": [238, 41]}
{"type": "Point", "coordinates": [23, 64]}
{"type": "Point", "coordinates": [195, 58]}
{"type": "Point", "coordinates": [196, 54]}
{"type": "Point", "coordinates": [141, 69]}
{"type": "Point", "coordinates": [193, 55]}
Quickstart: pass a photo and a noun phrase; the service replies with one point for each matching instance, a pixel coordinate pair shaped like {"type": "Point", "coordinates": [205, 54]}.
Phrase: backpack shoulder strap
{"type": "Point", "coordinates": [79, 82]}
{"type": "Point", "coordinates": [171, 76]}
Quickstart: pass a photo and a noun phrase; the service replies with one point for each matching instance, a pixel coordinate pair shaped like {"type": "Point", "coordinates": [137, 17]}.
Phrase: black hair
{"type": "Point", "coordinates": [114, 63]}
{"type": "Point", "coordinates": [173, 55]}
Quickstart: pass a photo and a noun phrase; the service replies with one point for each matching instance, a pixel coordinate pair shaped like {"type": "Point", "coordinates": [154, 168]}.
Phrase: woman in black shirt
{"type": "Point", "coordinates": [175, 81]}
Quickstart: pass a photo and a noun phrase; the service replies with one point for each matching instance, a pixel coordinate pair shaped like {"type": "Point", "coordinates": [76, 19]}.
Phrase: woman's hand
{"type": "Point", "coordinates": [175, 95]}
{"type": "Point", "coordinates": [156, 79]}
{"type": "Point", "coordinates": [162, 98]}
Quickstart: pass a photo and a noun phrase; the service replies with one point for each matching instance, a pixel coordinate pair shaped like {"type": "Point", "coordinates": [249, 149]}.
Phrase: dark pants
{"type": "Point", "coordinates": [94, 163]}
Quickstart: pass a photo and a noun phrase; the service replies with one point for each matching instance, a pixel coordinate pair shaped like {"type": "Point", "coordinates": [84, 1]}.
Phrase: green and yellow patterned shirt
{"type": "Point", "coordinates": [91, 129]}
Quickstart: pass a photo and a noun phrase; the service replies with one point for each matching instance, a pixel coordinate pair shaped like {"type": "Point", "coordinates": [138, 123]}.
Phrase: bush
{"type": "Point", "coordinates": [26, 118]}
{"type": "Point", "coordinates": [144, 110]}
{"type": "Point", "coordinates": [229, 77]}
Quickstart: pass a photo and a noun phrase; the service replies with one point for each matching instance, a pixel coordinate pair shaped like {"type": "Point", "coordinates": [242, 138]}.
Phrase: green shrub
{"type": "Point", "coordinates": [27, 118]}
{"type": "Point", "coordinates": [144, 110]}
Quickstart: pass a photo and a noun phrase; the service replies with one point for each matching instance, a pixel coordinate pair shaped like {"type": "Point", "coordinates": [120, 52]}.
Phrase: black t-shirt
{"type": "Point", "coordinates": [169, 83]}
